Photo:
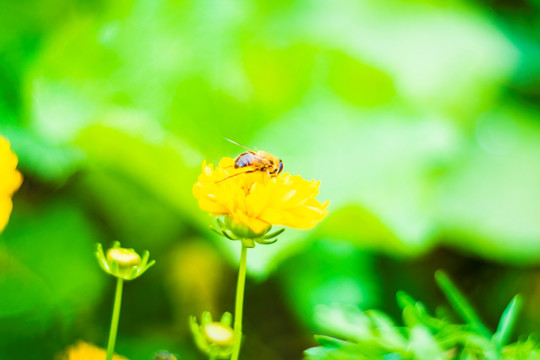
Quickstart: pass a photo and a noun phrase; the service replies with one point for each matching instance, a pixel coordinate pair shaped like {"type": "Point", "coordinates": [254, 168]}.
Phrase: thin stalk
{"type": "Point", "coordinates": [115, 318]}
{"type": "Point", "coordinates": [239, 304]}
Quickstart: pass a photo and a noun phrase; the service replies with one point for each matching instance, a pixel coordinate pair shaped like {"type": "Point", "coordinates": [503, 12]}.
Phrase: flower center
{"type": "Point", "coordinates": [219, 334]}
{"type": "Point", "coordinates": [124, 257]}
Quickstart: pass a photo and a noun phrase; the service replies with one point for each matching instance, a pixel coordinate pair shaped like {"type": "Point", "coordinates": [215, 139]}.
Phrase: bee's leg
{"type": "Point", "coordinates": [228, 177]}
{"type": "Point", "coordinates": [240, 173]}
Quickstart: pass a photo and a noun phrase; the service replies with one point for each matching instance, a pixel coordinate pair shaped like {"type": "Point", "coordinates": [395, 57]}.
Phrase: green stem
{"type": "Point", "coordinates": [115, 318]}
{"type": "Point", "coordinates": [239, 303]}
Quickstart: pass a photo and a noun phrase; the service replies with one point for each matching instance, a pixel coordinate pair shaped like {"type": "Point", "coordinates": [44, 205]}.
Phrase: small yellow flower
{"type": "Point", "coordinates": [86, 351]}
{"type": "Point", "coordinates": [10, 181]}
{"type": "Point", "coordinates": [258, 200]}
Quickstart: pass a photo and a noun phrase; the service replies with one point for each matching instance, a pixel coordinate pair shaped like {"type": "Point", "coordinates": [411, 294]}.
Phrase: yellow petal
{"type": "Point", "coordinates": [85, 351]}
{"type": "Point", "coordinates": [10, 181]}
{"type": "Point", "coordinates": [253, 223]}
{"type": "Point", "coordinates": [257, 199]}
{"type": "Point", "coordinates": [5, 210]}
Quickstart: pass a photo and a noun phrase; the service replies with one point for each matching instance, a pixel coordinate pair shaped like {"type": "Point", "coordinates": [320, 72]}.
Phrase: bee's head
{"type": "Point", "coordinates": [280, 168]}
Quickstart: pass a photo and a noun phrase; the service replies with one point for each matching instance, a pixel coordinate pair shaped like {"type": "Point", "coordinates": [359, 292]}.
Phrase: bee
{"type": "Point", "coordinates": [253, 161]}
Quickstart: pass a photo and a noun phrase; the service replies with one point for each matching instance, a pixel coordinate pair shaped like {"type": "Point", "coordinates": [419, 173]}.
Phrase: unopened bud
{"type": "Point", "coordinates": [123, 263]}
{"type": "Point", "coordinates": [218, 334]}
{"type": "Point", "coordinates": [124, 257]}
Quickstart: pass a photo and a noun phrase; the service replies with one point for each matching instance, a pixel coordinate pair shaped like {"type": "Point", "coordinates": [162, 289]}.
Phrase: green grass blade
{"type": "Point", "coordinates": [460, 304]}
{"type": "Point", "coordinates": [507, 321]}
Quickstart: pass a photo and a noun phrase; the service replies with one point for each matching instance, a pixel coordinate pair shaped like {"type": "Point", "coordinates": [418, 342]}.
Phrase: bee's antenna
{"type": "Point", "coordinates": [235, 143]}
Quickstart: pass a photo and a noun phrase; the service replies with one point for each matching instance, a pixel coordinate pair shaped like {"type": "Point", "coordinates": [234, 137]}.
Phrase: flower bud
{"type": "Point", "coordinates": [214, 338]}
{"type": "Point", "coordinates": [219, 334]}
{"type": "Point", "coordinates": [123, 263]}
{"type": "Point", "coordinates": [124, 257]}
{"type": "Point", "coordinates": [125, 260]}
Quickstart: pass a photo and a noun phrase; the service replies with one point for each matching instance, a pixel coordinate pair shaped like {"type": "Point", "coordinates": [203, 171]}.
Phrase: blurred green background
{"type": "Point", "coordinates": [420, 118]}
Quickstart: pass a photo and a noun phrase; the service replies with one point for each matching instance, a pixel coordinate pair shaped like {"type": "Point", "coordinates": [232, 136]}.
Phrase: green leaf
{"type": "Point", "coordinates": [335, 349]}
{"type": "Point", "coordinates": [496, 218]}
{"type": "Point", "coordinates": [40, 158]}
{"type": "Point", "coordinates": [346, 70]}
{"type": "Point", "coordinates": [507, 322]}
{"type": "Point", "coordinates": [50, 274]}
{"type": "Point", "coordinates": [372, 334]}
{"type": "Point", "coordinates": [403, 299]}
{"type": "Point", "coordinates": [424, 345]}
{"type": "Point", "coordinates": [460, 303]}
{"type": "Point", "coordinates": [387, 330]}
{"type": "Point", "coordinates": [415, 312]}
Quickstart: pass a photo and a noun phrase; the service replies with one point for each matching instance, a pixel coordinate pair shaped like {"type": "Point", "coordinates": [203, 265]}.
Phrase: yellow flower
{"type": "Point", "coordinates": [10, 181]}
{"type": "Point", "coordinates": [258, 200]}
{"type": "Point", "coordinates": [86, 351]}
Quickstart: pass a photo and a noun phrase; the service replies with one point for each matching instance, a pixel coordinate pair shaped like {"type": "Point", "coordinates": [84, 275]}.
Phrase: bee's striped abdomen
{"type": "Point", "coordinates": [245, 159]}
